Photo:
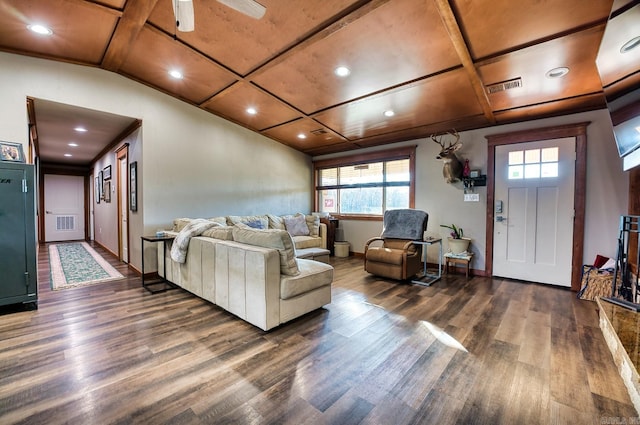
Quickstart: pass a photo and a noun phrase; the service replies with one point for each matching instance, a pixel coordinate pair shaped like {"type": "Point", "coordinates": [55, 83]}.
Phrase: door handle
{"type": "Point", "coordinates": [500, 219]}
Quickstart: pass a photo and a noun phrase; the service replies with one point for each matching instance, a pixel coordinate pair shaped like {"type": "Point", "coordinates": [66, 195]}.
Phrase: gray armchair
{"type": "Point", "coordinates": [392, 254]}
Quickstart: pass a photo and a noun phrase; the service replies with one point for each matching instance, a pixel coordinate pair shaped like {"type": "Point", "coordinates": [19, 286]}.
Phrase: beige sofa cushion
{"type": "Point", "coordinates": [224, 233]}
{"type": "Point", "coordinates": [270, 238]}
{"type": "Point", "coordinates": [313, 275]}
{"type": "Point", "coordinates": [313, 223]}
{"type": "Point", "coordinates": [222, 220]}
{"type": "Point", "coordinates": [180, 223]}
{"type": "Point", "coordinates": [302, 242]}
{"type": "Point", "coordinates": [276, 221]}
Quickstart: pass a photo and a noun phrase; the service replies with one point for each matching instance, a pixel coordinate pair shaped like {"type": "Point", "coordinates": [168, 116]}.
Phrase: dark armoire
{"type": "Point", "coordinates": [18, 264]}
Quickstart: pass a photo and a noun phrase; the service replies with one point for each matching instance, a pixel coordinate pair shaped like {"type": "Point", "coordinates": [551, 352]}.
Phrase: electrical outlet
{"type": "Point", "coordinates": [472, 197]}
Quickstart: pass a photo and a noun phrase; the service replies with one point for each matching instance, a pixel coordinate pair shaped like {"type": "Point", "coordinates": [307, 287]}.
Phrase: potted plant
{"type": "Point", "coordinates": [457, 242]}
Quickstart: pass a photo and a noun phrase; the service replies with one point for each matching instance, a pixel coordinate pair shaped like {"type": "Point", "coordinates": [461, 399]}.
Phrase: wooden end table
{"type": "Point", "coordinates": [454, 260]}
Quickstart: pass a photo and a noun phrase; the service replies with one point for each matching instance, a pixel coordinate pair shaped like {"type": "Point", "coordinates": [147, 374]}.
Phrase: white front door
{"type": "Point", "coordinates": [64, 207]}
{"type": "Point", "coordinates": [533, 234]}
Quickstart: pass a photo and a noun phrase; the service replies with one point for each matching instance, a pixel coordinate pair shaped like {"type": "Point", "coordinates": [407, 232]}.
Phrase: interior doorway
{"type": "Point", "coordinates": [64, 208]}
{"type": "Point", "coordinates": [123, 203]}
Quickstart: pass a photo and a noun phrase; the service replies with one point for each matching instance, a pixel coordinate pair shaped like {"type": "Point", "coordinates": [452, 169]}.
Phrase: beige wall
{"type": "Point", "coordinates": [191, 163]}
{"type": "Point", "coordinates": [606, 197]}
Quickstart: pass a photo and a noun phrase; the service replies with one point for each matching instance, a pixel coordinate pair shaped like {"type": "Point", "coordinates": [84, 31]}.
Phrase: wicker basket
{"type": "Point", "coordinates": [595, 284]}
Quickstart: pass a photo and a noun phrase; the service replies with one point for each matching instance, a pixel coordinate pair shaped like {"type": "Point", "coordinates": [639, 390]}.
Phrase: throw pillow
{"type": "Point", "coordinates": [296, 226]}
{"type": "Point", "coordinates": [256, 224]}
{"type": "Point", "coordinates": [271, 238]}
{"type": "Point", "coordinates": [235, 219]}
{"type": "Point", "coordinates": [313, 223]}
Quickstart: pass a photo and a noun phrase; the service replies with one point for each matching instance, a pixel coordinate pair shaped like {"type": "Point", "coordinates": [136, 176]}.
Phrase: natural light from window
{"type": "Point", "coordinates": [533, 163]}
{"type": "Point", "coordinates": [365, 189]}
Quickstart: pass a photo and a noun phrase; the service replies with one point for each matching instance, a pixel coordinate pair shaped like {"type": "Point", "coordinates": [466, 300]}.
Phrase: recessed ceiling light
{"type": "Point", "coordinates": [80, 129]}
{"type": "Point", "coordinates": [176, 74]}
{"type": "Point", "coordinates": [302, 136]}
{"type": "Point", "coordinates": [389, 113]}
{"type": "Point", "coordinates": [68, 155]}
{"type": "Point", "coordinates": [342, 71]}
{"type": "Point", "coordinates": [557, 72]}
{"type": "Point", "coordinates": [252, 111]}
{"type": "Point", "coordinates": [40, 29]}
{"type": "Point", "coordinates": [630, 45]}
{"type": "Point", "coordinates": [73, 145]}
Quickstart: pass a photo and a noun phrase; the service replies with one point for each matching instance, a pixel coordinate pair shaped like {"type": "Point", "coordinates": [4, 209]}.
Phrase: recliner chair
{"type": "Point", "coordinates": [397, 257]}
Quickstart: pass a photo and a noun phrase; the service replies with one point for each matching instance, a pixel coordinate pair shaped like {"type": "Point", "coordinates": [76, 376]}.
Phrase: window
{"type": "Point", "coordinates": [533, 163]}
{"type": "Point", "coordinates": [366, 185]}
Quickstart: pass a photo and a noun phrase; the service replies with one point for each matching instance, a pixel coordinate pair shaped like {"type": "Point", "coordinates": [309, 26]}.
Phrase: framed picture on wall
{"type": "Point", "coordinates": [10, 151]}
{"type": "Point", "coordinates": [107, 172]}
{"type": "Point", "coordinates": [107, 191]}
{"type": "Point", "coordinates": [96, 190]}
{"type": "Point", "coordinates": [133, 186]}
{"type": "Point", "coordinates": [101, 188]}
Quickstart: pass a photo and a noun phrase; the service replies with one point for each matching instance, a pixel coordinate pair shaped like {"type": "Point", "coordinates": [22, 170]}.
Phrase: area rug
{"type": "Point", "coordinates": [77, 264]}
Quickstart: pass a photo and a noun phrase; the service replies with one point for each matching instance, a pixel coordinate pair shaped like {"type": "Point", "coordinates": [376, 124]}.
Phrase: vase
{"type": "Point", "coordinates": [458, 246]}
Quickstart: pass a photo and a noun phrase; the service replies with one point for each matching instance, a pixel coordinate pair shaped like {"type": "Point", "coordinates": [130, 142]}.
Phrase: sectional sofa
{"type": "Point", "coordinates": [248, 266]}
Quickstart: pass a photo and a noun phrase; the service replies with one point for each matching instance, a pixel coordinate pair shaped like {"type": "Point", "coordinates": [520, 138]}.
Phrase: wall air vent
{"type": "Point", "coordinates": [504, 85]}
{"type": "Point", "coordinates": [319, 132]}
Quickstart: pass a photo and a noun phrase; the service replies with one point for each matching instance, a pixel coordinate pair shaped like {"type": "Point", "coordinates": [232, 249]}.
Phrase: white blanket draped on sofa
{"type": "Point", "coordinates": [195, 228]}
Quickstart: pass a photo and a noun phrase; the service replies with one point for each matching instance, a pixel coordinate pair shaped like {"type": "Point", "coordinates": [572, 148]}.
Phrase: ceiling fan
{"type": "Point", "coordinates": [183, 11]}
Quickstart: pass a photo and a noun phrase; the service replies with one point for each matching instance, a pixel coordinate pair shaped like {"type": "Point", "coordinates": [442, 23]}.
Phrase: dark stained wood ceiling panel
{"type": "Point", "coordinates": [116, 4]}
{"type": "Point", "coordinates": [577, 52]}
{"type": "Point", "coordinates": [243, 43]}
{"type": "Point", "coordinates": [202, 78]}
{"type": "Point", "coordinates": [234, 101]}
{"type": "Point", "coordinates": [550, 109]}
{"type": "Point", "coordinates": [462, 124]}
{"type": "Point", "coordinates": [413, 106]}
{"type": "Point", "coordinates": [400, 41]}
{"type": "Point", "coordinates": [81, 31]}
{"type": "Point", "coordinates": [315, 135]}
{"type": "Point", "coordinates": [614, 65]}
{"type": "Point", "coordinates": [493, 26]}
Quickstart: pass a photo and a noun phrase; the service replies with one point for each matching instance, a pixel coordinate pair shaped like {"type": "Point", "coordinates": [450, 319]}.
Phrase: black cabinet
{"type": "Point", "coordinates": [19, 283]}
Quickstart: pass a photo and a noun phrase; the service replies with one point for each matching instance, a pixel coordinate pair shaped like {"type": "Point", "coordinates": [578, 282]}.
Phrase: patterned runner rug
{"type": "Point", "coordinates": [77, 264]}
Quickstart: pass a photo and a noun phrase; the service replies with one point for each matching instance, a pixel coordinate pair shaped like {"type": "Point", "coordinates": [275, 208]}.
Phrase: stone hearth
{"type": "Point", "coordinates": [621, 330]}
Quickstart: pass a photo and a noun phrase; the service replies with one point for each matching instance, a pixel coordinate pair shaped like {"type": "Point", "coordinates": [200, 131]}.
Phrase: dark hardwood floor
{"type": "Point", "coordinates": [477, 351]}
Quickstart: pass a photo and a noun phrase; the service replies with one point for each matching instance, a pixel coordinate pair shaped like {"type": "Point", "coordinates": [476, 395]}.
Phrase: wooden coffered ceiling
{"type": "Point", "coordinates": [430, 61]}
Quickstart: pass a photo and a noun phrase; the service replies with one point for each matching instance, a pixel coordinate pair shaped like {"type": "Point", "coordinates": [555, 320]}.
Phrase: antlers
{"type": "Point", "coordinates": [453, 133]}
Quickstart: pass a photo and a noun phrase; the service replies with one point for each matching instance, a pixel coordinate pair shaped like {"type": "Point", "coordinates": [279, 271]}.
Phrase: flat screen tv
{"type": "Point", "coordinates": [618, 63]}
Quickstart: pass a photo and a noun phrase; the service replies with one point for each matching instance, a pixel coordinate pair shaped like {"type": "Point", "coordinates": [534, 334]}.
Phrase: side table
{"type": "Point", "coordinates": [150, 285]}
{"type": "Point", "coordinates": [454, 259]}
{"type": "Point", "coordinates": [332, 226]}
{"type": "Point", "coordinates": [430, 278]}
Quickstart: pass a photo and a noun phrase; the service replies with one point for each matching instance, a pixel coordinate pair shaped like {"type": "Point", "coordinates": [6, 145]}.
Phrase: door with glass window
{"type": "Point", "coordinates": [534, 212]}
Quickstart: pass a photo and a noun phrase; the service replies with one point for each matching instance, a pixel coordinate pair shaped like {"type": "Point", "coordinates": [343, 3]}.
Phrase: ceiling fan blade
{"type": "Point", "coordinates": [248, 7]}
{"type": "Point", "coordinates": [183, 11]}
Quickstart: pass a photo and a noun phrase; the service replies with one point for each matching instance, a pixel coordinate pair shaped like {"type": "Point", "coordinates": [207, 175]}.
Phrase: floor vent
{"type": "Point", "coordinates": [504, 85]}
{"type": "Point", "coordinates": [65, 222]}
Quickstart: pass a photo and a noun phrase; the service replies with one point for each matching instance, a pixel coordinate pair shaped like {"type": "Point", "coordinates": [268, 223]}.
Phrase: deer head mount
{"type": "Point", "coordinates": [452, 169]}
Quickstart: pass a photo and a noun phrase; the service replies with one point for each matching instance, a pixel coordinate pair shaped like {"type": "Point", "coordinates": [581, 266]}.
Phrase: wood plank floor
{"type": "Point", "coordinates": [477, 351]}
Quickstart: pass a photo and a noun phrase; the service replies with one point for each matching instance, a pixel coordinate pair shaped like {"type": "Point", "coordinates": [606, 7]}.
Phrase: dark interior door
{"type": "Point", "coordinates": [13, 240]}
